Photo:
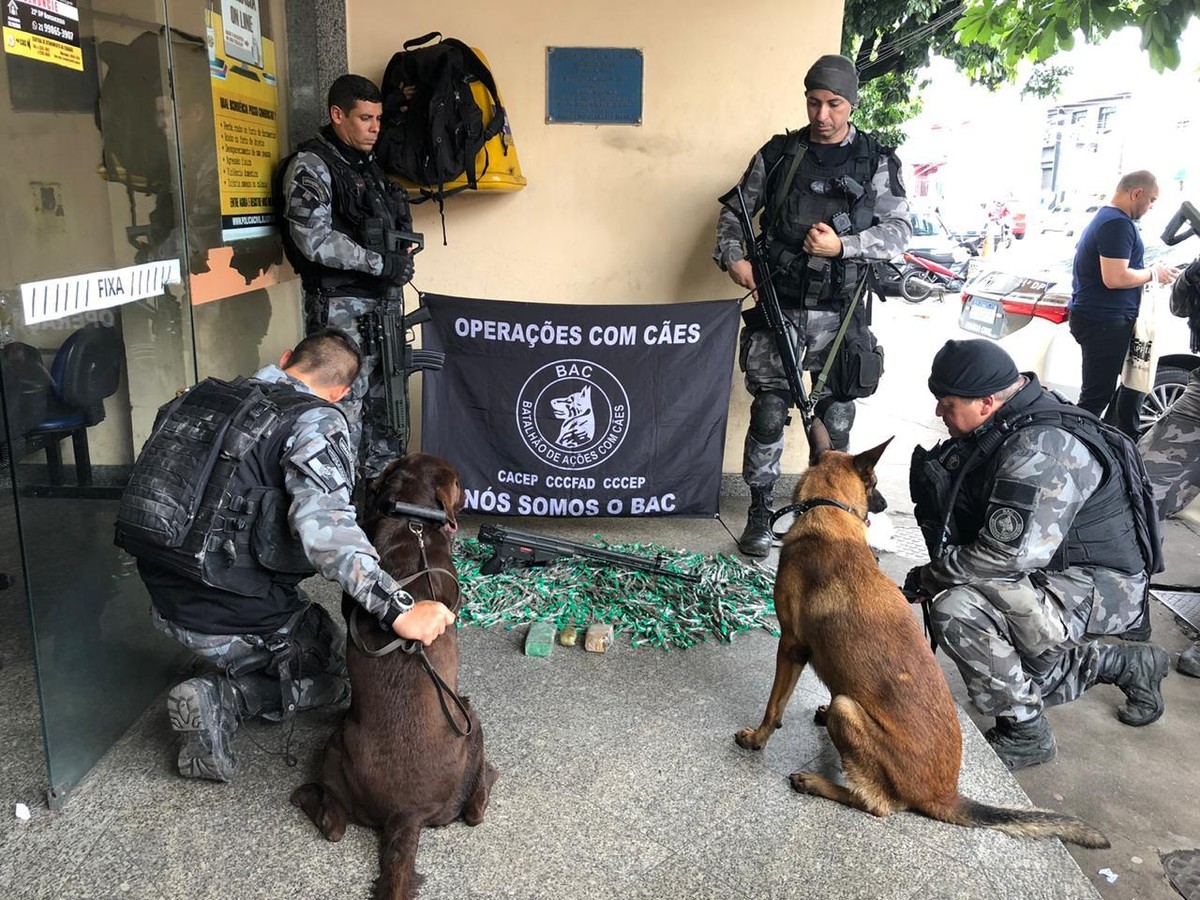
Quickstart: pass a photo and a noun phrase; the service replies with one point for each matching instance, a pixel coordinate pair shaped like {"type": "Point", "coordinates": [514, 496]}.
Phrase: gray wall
{"type": "Point", "coordinates": [316, 49]}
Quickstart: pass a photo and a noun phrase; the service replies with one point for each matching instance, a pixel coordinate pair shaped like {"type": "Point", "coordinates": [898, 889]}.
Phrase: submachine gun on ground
{"type": "Point", "coordinates": [387, 328]}
{"type": "Point", "coordinates": [768, 303]}
{"type": "Point", "coordinates": [520, 549]}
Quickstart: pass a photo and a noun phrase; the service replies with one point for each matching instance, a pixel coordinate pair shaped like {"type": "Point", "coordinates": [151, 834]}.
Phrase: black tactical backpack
{"type": "Point", "coordinates": [433, 136]}
{"type": "Point", "coordinates": [134, 153]}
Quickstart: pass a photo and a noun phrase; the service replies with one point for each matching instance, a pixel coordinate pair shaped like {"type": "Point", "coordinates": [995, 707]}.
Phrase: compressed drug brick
{"type": "Point", "coordinates": [539, 640]}
{"type": "Point", "coordinates": [599, 638]}
{"type": "Point", "coordinates": [568, 636]}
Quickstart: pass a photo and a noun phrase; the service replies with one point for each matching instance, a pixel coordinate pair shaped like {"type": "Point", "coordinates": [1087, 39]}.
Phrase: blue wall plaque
{"type": "Point", "coordinates": [596, 85]}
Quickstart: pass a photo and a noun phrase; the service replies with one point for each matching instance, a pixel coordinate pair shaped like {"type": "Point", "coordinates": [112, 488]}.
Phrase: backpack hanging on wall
{"type": "Point", "coordinates": [444, 127]}
{"type": "Point", "coordinates": [135, 152]}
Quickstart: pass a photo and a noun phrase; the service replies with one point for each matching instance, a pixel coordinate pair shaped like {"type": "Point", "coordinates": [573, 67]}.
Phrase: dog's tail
{"type": "Point", "coordinates": [1030, 823]}
{"type": "Point", "coordinates": [398, 878]}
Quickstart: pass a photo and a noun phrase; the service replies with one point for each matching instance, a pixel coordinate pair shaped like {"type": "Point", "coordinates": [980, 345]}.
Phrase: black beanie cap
{"type": "Point", "coordinates": [971, 369]}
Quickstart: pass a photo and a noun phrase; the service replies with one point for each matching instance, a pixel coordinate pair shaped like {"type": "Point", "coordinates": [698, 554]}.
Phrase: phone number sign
{"type": "Point", "coordinates": [45, 30]}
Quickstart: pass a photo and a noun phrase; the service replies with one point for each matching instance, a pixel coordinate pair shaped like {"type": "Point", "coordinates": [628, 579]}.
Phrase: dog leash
{"type": "Point", "coordinates": [415, 647]}
{"type": "Point", "coordinates": [807, 506]}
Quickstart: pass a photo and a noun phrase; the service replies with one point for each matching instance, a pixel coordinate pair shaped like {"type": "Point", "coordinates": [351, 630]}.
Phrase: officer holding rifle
{"type": "Point", "coordinates": [348, 234]}
{"type": "Point", "coordinates": [832, 202]}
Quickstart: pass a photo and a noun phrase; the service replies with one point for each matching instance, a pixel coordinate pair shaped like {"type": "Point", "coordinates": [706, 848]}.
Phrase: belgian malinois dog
{"type": "Point", "coordinates": [891, 715]}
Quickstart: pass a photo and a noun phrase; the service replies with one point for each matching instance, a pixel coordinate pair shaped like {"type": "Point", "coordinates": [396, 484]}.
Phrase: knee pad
{"type": "Point", "coordinates": [838, 418]}
{"type": "Point", "coordinates": [768, 415]}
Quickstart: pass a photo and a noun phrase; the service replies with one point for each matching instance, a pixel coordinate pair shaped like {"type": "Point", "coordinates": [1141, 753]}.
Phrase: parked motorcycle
{"type": "Point", "coordinates": [971, 241]}
{"type": "Point", "coordinates": [922, 277]}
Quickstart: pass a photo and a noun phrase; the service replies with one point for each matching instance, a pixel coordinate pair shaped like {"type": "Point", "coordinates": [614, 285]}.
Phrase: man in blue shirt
{"type": "Point", "coordinates": [1107, 291]}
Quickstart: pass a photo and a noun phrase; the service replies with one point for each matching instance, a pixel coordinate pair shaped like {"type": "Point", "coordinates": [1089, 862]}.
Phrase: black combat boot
{"type": "Point", "coordinates": [1022, 744]}
{"type": "Point", "coordinates": [756, 539]}
{"type": "Point", "coordinates": [1138, 670]}
{"type": "Point", "coordinates": [204, 711]}
{"type": "Point", "coordinates": [1189, 661]}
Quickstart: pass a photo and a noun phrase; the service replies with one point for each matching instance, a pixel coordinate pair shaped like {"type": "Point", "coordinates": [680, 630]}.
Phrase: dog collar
{"type": "Point", "coordinates": [411, 511]}
{"type": "Point", "coordinates": [806, 506]}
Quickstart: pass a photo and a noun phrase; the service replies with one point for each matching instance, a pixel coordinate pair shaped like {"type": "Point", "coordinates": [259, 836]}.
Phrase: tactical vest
{"type": "Point", "coordinates": [798, 193]}
{"type": "Point", "coordinates": [206, 498]}
{"type": "Point", "coordinates": [1116, 528]}
{"type": "Point", "coordinates": [365, 205]}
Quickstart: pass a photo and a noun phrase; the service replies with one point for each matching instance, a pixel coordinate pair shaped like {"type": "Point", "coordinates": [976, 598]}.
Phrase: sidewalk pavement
{"type": "Point", "coordinates": [620, 778]}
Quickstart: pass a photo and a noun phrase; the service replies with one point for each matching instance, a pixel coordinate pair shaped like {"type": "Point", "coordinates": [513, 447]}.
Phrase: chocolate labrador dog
{"type": "Point", "coordinates": [409, 753]}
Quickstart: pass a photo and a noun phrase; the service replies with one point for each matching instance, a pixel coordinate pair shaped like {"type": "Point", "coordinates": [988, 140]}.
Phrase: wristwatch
{"type": "Point", "coordinates": [398, 603]}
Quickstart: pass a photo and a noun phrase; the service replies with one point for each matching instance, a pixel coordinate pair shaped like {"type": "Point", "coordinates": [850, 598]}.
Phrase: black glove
{"type": "Point", "coordinates": [397, 268]}
{"type": "Point", "coordinates": [912, 588]}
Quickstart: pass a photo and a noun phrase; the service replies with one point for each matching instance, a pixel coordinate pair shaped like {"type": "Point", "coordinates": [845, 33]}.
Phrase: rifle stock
{"type": "Point", "coordinates": [521, 549]}
{"type": "Point", "coordinates": [768, 303]}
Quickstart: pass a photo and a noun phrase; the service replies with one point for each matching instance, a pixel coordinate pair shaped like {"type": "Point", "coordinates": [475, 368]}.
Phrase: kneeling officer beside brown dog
{"type": "Point", "coordinates": [243, 490]}
{"type": "Point", "coordinates": [1035, 515]}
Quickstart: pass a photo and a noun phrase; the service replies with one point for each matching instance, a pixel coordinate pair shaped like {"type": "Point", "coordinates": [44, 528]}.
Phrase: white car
{"type": "Point", "coordinates": [1024, 308]}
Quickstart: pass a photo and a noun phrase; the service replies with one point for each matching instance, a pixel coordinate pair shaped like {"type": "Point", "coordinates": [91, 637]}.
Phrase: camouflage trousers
{"type": "Point", "coordinates": [365, 405]}
{"type": "Point", "coordinates": [1025, 643]}
{"type": "Point", "coordinates": [813, 332]}
{"type": "Point", "coordinates": [317, 669]}
{"type": "Point", "coordinates": [1171, 451]}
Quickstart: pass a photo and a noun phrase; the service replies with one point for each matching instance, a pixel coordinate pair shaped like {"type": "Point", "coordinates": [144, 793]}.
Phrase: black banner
{"type": "Point", "coordinates": [556, 410]}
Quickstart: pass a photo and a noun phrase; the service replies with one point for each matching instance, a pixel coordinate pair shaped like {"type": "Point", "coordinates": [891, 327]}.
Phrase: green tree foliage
{"type": "Point", "coordinates": [886, 103]}
{"type": "Point", "coordinates": [1037, 29]}
{"type": "Point", "coordinates": [890, 40]}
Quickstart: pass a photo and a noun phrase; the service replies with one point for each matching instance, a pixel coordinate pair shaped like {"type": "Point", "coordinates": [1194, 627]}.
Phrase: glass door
{"type": "Point", "coordinates": [95, 334]}
{"type": "Point", "coordinates": [138, 254]}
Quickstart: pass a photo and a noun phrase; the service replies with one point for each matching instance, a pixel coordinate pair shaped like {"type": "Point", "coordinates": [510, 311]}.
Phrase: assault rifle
{"type": "Point", "coordinates": [768, 303]}
{"type": "Point", "coordinates": [521, 549]}
{"type": "Point", "coordinates": [387, 329]}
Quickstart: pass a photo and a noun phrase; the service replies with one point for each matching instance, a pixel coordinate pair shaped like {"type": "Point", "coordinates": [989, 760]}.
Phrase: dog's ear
{"type": "Point", "coordinates": [449, 494]}
{"type": "Point", "coordinates": [865, 462]}
{"type": "Point", "coordinates": [818, 441]}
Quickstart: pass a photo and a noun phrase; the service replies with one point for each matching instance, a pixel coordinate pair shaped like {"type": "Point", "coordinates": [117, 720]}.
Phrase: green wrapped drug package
{"type": "Point", "coordinates": [539, 641]}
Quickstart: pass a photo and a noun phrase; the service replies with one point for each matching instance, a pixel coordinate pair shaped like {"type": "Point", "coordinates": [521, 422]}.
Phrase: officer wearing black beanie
{"type": "Point", "coordinates": [1036, 545]}
{"type": "Point", "coordinates": [975, 368]}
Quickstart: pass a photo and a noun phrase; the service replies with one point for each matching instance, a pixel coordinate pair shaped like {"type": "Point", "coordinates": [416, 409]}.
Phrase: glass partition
{"type": "Point", "coordinates": [232, 132]}
{"type": "Point", "coordinates": [134, 259]}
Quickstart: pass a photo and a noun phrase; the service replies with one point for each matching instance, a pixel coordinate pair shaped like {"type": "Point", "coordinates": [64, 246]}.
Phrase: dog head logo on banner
{"type": "Point", "coordinates": [572, 414]}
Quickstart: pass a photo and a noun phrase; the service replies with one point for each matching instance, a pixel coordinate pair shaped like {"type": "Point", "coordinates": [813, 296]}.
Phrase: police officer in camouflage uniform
{"type": "Point", "coordinates": [1171, 448]}
{"type": "Point", "coordinates": [339, 206]}
{"type": "Point", "coordinates": [289, 494]}
{"type": "Point", "coordinates": [1035, 551]}
{"type": "Point", "coordinates": [832, 202]}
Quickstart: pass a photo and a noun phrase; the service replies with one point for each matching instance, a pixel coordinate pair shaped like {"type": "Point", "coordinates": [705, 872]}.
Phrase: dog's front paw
{"type": "Point", "coordinates": [804, 782]}
{"type": "Point", "coordinates": [821, 716]}
{"type": "Point", "coordinates": [751, 738]}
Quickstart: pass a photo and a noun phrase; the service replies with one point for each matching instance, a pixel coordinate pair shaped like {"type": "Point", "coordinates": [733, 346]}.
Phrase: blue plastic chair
{"type": "Point", "coordinates": [86, 369]}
